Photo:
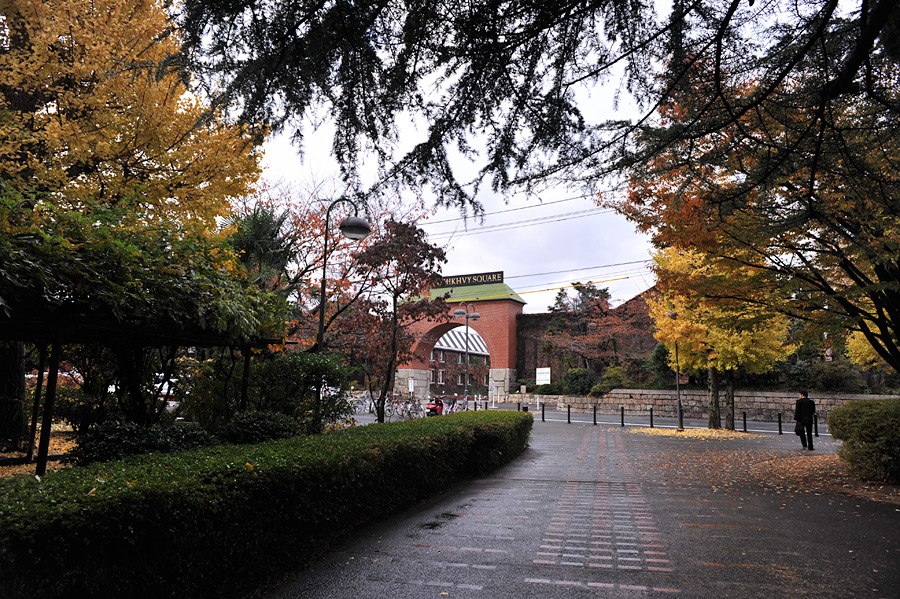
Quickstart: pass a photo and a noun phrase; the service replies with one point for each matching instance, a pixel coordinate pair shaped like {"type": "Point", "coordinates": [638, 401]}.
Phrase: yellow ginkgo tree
{"type": "Point", "coordinates": [714, 333]}
{"type": "Point", "coordinates": [89, 115]}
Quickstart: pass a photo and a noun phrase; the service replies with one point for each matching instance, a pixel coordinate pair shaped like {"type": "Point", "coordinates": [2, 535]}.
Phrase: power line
{"type": "Point", "coordinates": [625, 273]}
{"type": "Point", "coordinates": [557, 272]}
{"type": "Point", "coordinates": [483, 297]}
{"type": "Point", "coordinates": [540, 205]}
{"type": "Point", "coordinates": [523, 223]}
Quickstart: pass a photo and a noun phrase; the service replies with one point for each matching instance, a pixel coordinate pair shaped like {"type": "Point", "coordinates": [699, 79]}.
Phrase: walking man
{"type": "Point", "coordinates": [804, 412]}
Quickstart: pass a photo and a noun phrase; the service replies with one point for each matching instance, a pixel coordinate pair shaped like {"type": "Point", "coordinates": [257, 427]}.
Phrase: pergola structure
{"type": "Point", "coordinates": [31, 322]}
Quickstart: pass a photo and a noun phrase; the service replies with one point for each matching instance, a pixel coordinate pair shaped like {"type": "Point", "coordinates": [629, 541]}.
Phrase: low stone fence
{"type": "Point", "coordinates": [760, 406]}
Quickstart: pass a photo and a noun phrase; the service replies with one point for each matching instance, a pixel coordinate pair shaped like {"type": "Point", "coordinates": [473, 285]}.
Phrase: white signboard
{"type": "Point", "coordinates": [412, 386]}
{"type": "Point", "coordinates": [543, 376]}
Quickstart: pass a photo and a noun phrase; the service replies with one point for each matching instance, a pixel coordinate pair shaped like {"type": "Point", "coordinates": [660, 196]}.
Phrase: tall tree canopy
{"type": "Point", "coordinates": [802, 185]}
{"type": "Point", "coordinates": [513, 76]}
{"type": "Point", "coordinates": [401, 267]}
{"type": "Point", "coordinates": [88, 116]}
{"type": "Point", "coordinates": [714, 334]}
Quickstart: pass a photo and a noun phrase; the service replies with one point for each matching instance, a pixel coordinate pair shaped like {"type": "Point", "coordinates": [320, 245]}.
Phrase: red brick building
{"type": "Point", "coordinates": [511, 339]}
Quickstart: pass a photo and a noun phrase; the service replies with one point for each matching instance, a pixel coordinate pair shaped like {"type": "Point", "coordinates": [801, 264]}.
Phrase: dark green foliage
{"type": "Point", "coordinates": [114, 440]}
{"type": "Point", "coordinates": [172, 280]}
{"type": "Point", "coordinates": [78, 409]}
{"type": "Point", "coordinates": [613, 378]}
{"type": "Point", "coordinates": [838, 375]}
{"type": "Point", "coordinates": [549, 389]}
{"type": "Point", "coordinates": [255, 427]}
{"type": "Point", "coordinates": [219, 521]}
{"type": "Point", "coordinates": [285, 383]}
{"type": "Point", "coordinates": [578, 381]}
{"type": "Point", "coordinates": [870, 432]}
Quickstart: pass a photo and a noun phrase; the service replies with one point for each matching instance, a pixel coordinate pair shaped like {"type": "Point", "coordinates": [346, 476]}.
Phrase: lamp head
{"type": "Point", "coordinates": [459, 312]}
{"type": "Point", "coordinates": [474, 316]}
{"type": "Point", "coordinates": [354, 227]}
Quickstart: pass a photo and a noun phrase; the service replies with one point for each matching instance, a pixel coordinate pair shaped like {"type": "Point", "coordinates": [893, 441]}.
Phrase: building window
{"type": "Point", "coordinates": [459, 358]}
{"type": "Point", "coordinates": [440, 377]}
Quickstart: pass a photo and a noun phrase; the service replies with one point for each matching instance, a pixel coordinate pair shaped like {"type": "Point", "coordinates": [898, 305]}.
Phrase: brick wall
{"type": "Point", "coordinates": [760, 406]}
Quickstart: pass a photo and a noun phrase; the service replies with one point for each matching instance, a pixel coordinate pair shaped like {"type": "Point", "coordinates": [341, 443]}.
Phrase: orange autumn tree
{"type": "Point", "coordinates": [713, 333]}
{"type": "Point", "coordinates": [89, 115]}
{"type": "Point", "coordinates": [805, 198]}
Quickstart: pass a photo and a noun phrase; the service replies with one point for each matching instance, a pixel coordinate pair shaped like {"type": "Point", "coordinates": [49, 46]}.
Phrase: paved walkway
{"type": "Point", "coordinates": [604, 511]}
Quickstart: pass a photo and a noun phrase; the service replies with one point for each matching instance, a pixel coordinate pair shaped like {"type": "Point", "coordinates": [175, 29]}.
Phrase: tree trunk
{"type": "Point", "coordinates": [36, 408]}
{"type": "Point", "coordinates": [715, 420]}
{"type": "Point", "coordinates": [13, 423]}
{"type": "Point", "coordinates": [245, 380]}
{"type": "Point", "coordinates": [729, 402]}
{"type": "Point", "coordinates": [388, 382]}
{"type": "Point", "coordinates": [47, 417]}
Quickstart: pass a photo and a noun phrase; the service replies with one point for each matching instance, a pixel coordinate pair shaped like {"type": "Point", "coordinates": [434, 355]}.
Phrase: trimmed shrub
{"type": "Point", "coordinates": [870, 432]}
{"type": "Point", "coordinates": [613, 378]}
{"type": "Point", "coordinates": [219, 521]}
{"type": "Point", "coordinates": [256, 427]}
{"type": "Point", "coordinates": [578, 381]}
{"type": "Point", "coordinates": [114, 440]}
{"type": "Point", "coordinates": [550, 389]}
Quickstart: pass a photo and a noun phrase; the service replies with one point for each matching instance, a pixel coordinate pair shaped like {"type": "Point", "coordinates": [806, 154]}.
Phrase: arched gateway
{"type": "Point", "coordinates": [498, 306]}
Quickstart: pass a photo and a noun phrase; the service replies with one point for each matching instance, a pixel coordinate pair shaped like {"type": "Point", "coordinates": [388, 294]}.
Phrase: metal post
{"type": "Point", "coordinates": [595, 415]}
{"type": "Point", "coordinates": [816, 423]}
{"type": "Point", "coordinates": [466, 382]}
{"type": "Point", "coordinates": [476, 406]}
{"type": "Point", "coordinates": [678, 390]}
{"type": "Point", "coordinates": [569, 413]}
{"type": "Point", "coordinates": [543, 415]}
{"type": "Point", "coordinates": [745, 422]}
{"type": "Point", "coordinates": [651, 417]}
{"type": "Point", "coordinates": [623, 415]}
{"type": "Point", "coordinates": [779, 424]}
{"type": "Point", "coordinates": [320, 334]}
{"type": "Point", "coordinates": [518, 406]}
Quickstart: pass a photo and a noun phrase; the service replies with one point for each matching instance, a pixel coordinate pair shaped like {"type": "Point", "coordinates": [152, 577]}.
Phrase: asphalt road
{"type": "Point", "coordinates": [606, 511]}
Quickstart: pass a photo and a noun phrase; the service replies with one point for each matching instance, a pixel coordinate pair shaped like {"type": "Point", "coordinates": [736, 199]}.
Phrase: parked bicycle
{"type": "Point", "coordinates": [363, 404]}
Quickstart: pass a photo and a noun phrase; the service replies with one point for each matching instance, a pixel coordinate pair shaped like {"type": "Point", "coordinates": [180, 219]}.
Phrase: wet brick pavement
{"type": "Point", "coordinates": [604, 511]}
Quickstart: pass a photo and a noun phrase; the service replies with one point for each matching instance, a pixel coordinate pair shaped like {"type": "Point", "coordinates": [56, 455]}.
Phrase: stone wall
{"type": "Point", "coordinates": [760, 406]}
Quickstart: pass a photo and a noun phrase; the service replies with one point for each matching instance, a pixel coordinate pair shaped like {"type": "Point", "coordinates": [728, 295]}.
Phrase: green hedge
{"type": "Point", "coordinates": [218, 521]}
{"type": "Point", "coordinates": [870, 434]}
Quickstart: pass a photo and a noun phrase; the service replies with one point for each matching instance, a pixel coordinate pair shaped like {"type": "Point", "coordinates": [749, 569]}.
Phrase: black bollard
{"type": "Point", "coordinates": [745, 422]}
{"type": "Point", "coordinates": [543, 415]}
{"type": "Point", "coordinates": [595, 415]}
{"type": "Point", "coordinates": [623, 415]}
{"type": "Point", "coordinates": [476, 406]}
{"type": "Point", "coordinates": [816, 423]}
{"type": "Point", "coordinates": [569, 414]}
{"type": "Point", "coordinates": [651, 417]}
{"type": "Point", "coordinates": [779, 424]}
{"type": "Point", "coordinates": [518, 406]}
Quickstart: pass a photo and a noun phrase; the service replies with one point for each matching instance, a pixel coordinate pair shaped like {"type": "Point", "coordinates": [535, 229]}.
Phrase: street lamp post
{"type": "Point", "coordinates": [352, 227]}
{"type": "Point", "coordinates": [673, 315]}
{"type": "Point", "coordinates": [463, 312]}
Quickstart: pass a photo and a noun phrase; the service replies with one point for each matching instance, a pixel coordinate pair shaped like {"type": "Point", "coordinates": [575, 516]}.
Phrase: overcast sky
{"type": "Point", "coordinates": [540, 244]}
